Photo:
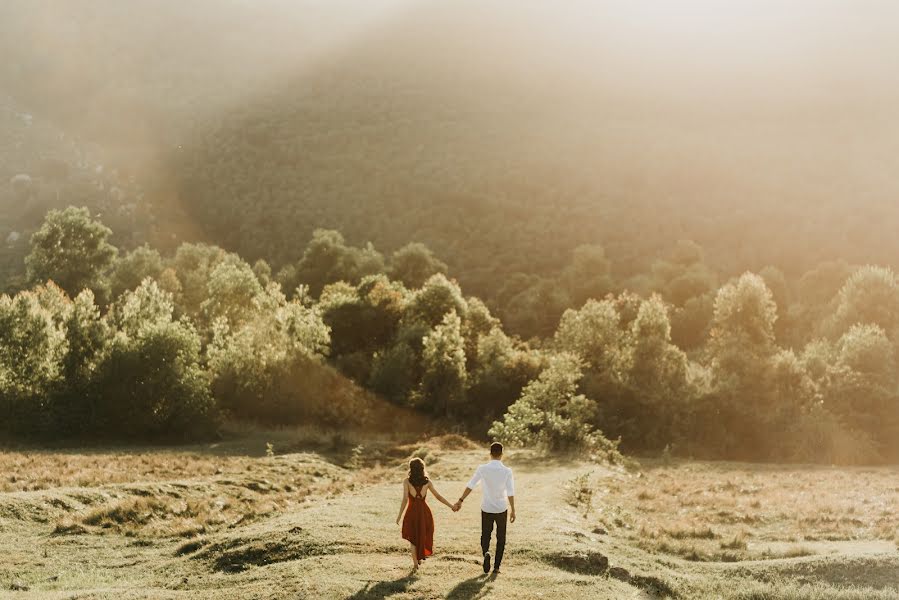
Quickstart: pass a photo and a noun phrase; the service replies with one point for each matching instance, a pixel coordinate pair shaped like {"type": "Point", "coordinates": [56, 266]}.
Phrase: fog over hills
{"type": "Point", "coordinates": [516, 130]}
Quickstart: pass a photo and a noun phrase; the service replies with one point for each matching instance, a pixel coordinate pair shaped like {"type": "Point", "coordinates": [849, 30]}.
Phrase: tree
{"type": "Point", "coordinates": [231, 288]}
{"type": "Point", "coordinates": [867, 350]}
{"type": "Point", "coordinates": [130, 270]}
{"type": "Point", "coordinates": [363, 318]}
{"type": "Point", "coordinates": [657, 375]}
{"type": "Point", "coordinates": [72, 250]}
{"type": "Point", "coordinates": [443, 361]}
{"type": "Point", "coordinates": [147, 304]}
{"type": "Point", "coordinates": [551, 415]}
{"type": "Point", "coordinates": [733, 417]}
{"type": "Point", "coordinates": [588, 275]}
{"type": "Point", "coordinates": [745, 312]}
{"type": "Point", "coordinates": [436, 298]}
{"type": "Point", "coordinates": [780, 293]}
{"type": "Point", "coordinates": [816, 291]}
{"type": "Point", "coordinates": [869, 296]}
{"type": "Point", "coordinates": [151, 384]}
{"type": "Point", "coordinates": [31, 349]}
{"type": "Point", "coordinates": [742, 337]}
{"type": "Point", "coordinates": [87, 337]}
{"type": "Point", "coordinates": [414, 264]}
{"type": "Point", "coordinates": [193, 265]}
{"type": "Point", "coordinates": [861, 386]}
{"type": "Point", "coordinates": [535, 311]}
{"type": "Point", "coordinates": [328, 259]}
{"type": "Point", "coordinates": [477, 324]}
{"type": "Point", "coordinates": [792, 390]}
{"type": "Point", "coordinates": [498, 372]}
{"type": "Point", "coordinates": [683, 275]}
{"type": "Point", "coordinates": [270, 369]}
{"type": "Point", "coordinates": [592, 333]}
{"type": "Point", "coordinates": [395, 372]}
{"type": "Point", "coordinates": [690, 323]}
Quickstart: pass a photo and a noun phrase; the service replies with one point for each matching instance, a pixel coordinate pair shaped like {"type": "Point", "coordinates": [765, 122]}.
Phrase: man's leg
{"type": "Point", "coordinates": [501, 520]}
{"type": "Point", "coordinates": [486, 532]}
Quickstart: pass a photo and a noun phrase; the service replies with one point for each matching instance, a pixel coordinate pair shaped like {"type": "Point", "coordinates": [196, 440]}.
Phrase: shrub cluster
{"type": "Point", "coordinates": [142, 345]}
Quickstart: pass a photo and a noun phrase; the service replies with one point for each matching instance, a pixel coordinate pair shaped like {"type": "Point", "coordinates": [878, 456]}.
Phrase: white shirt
{"type": "Point", "coordinates": [498, 485]}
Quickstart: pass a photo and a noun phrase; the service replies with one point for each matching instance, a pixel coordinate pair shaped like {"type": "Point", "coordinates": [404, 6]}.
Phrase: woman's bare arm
{"type": "Point", "coordinates": [403, 503]}
{"type": "Point", "coordinates": [437, 494]}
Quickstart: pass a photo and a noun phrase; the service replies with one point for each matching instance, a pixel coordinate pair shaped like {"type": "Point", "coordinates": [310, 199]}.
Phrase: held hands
{"type": "Point", "coordinates": [457, 506]}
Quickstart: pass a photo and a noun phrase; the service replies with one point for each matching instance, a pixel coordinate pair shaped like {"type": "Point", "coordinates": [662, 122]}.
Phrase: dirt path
{"type": "Point", "coordinates": [362, 555]}
{"type": "Point", "coordinates": [343, 542]}
{"type": "Point", "coordinates": [347, 546]}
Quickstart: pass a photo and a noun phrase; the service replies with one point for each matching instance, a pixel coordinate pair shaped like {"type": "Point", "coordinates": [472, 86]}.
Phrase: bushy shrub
{"type": "Point", "coordinates": [413, 264]}
{"type": "Point", "coordinates": [500, 370]}
{"type": "Point", "coordinates": [87, 337]}
{"type": "Point", "coordinates": [551, 414]}
{"type": "Point", "coordinates": [31, 349]}
{"type": "Point", "coordinates": [152, 385]}
{"type": "Point", "coordinates": [443, 360]}
{"type": "Point", "coordinates": [394, 373]}
{"type": "Point", "coordinates": [132, 268]}
{"type": "Point", "coordinates": [270, 369]}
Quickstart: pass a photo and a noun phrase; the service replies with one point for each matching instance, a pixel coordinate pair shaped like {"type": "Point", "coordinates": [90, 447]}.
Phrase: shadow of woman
{"type": "Point", "coordinates": [383, 589]}
{"type": "Point", "coordinates": [470, 589]}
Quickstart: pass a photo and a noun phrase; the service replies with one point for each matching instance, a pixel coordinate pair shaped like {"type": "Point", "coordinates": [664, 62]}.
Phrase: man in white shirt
{"type": "Point", "coordinates": [499, 497]}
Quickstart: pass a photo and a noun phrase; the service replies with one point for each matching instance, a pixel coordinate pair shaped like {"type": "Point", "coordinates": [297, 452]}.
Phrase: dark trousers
{"type": "Point", "coordinates": [487, 521]}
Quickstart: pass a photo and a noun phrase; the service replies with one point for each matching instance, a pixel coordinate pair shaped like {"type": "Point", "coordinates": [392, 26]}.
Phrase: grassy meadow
{"type": "Point", "coordinates": [302, 514]}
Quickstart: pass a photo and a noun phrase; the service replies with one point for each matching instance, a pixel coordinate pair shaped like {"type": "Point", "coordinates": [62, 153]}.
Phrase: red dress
{"type": "Point", "coordinates": [418, 525]}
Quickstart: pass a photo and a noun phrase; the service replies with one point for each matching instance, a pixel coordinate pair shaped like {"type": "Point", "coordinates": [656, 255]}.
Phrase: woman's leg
{"type": "Point", "coordinates": [414, 555]}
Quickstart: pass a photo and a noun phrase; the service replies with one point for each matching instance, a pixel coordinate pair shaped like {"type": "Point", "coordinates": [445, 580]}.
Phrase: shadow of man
{"type": "Point", "coordinates": [383, 589]}
{"type": "Point", "coordinates": [470, 589]}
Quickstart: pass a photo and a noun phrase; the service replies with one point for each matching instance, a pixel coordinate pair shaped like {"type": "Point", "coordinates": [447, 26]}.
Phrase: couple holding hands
{"type": "Point", "coordinates": [498, 501]}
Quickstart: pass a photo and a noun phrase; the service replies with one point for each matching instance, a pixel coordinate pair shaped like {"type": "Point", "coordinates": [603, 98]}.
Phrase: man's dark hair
{"type": "Point", "coordinates": [496, 449]}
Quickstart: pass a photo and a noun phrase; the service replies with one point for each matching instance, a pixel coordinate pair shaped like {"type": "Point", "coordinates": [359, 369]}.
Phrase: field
{"type": "Point", "coordinates": [298, 514]}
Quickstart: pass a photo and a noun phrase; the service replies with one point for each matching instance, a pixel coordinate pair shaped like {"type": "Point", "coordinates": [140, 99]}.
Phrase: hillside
{"type": "Point", "coordinates": [44, 166]}
{"type": "Point", "coordinates": [501, 136]}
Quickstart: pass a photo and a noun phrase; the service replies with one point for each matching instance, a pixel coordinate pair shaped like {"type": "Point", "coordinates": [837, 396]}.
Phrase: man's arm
{"type": "Point", "coordinates": [510, 493]}
{"type": "Point", "coordinates": [471, 485]}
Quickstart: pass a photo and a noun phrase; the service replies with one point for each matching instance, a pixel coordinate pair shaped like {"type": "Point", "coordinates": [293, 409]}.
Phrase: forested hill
{"type": "Point", "coordinates": [502, 136]}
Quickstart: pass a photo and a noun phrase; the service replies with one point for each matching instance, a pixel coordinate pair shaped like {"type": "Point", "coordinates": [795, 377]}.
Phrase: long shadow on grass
{"type": "Point", "coordinates": [470, 589]}
{"type": "Point", "coordinates": [383, 589]}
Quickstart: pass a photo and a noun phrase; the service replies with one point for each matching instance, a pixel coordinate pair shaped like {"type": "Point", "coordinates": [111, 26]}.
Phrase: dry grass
{"type": "Point", "coordinates": [314, 511]}
{"type": "Point", "coordinates": [194, 507]}
{"type": "Point", "coordinates": [731, 512]}
{"type": "Point", "coordinates": [171, 493]}
{"type": "Point", "coordinates": [33, 471]}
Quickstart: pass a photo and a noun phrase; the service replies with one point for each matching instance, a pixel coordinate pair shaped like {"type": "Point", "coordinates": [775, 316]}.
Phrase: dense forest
{"type": "Point", "coordinates": [665, 242]}
{"type": "Point", "coordinates": [141, 345]}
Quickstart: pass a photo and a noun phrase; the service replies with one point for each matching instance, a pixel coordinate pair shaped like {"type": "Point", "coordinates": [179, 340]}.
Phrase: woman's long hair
{"type": "Point", "coordinates": [417, 474]}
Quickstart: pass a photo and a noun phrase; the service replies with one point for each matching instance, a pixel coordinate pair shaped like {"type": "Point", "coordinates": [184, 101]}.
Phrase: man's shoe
{"type": "Point", "coordinates": [486, 562]}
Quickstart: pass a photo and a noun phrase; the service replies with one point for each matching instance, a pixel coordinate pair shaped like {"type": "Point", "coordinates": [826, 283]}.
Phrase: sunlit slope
{"type": "Point", "coordinates": [515, 135]}
{"type": "Point", "coordinates": [502, 135]}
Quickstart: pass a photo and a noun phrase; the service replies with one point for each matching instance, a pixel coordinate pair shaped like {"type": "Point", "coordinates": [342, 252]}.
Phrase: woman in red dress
{"type": "Point", "coordinates": [418, 524]}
